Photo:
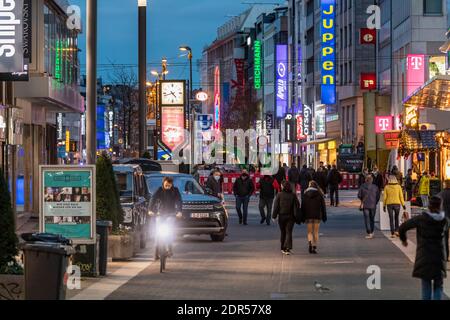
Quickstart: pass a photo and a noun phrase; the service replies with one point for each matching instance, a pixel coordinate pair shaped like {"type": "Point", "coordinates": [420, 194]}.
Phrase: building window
{"type": "Point", "coordinates": [432, 7]}
{"type": "Point", "coordinates": [350, 72]}
{"type": "Point", "coordinates": [350, 35]}
{"type": "Point", "coordinates": [345, 37]}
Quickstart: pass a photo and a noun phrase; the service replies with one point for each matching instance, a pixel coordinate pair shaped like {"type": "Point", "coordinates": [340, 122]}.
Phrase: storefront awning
{"type": "Point", "coordinates": [433, 94]}
{"type": "Point", "coordinates": [418, 141]}
{"type": "Point", "coordinates": [317, 141]}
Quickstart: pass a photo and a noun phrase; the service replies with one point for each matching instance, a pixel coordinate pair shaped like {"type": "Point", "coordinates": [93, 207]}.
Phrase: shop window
{"type": "Point", "coordinates": [432, 7]}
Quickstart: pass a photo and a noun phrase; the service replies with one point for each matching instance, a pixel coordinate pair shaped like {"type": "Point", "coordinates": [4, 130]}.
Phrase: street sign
{"type": "Point", "coordinates": [67, 202]}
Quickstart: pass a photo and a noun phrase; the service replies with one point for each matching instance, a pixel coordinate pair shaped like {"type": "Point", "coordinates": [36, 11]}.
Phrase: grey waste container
{"type": "Point", "coordinates": [45, 267]}
{"type": "Point", "coordinates": [103, 230]}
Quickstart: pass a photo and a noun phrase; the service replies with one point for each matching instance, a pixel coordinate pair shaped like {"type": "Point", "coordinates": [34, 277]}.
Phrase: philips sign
{"type": "Point", "coordinates": [328, 51]}
{"type": "Point", "coordinates": [11, 36]}
{"type": "Point", "coordinates": [281, 85]}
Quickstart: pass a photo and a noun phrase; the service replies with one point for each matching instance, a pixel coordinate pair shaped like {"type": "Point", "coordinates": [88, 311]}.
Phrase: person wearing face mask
{"type": "Point", "coordinates": [243, 189]}
{"type": "Point", "coordinates": [214, 183]}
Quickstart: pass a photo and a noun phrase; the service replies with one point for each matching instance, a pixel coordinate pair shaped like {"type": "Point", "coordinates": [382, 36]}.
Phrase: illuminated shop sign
{"type": "Point", "coordinates": [320, 128]}
{"type": "Point", "coordinates": [217, 98]}
{"type": "Point", "coordinates": [368, 81]}
{"type": "Point", "coordinates": [415, 68]}
{"type": "Point", "coordinates": [257, 65]}
{"type": "Point", "coordinates": [383, 124]}
{"type": "Point", "coordinates": [281, 87]}
{"type": "Point", "coordinates": [328, 52]}
{"type": "Point", "coordinates": [307, 120]}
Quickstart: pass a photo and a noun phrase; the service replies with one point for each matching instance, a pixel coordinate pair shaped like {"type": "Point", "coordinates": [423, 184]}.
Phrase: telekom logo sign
{"type": "Point", "coordinates": [415, 68]}
{"type": "Point", "coordinates": [383, 124]}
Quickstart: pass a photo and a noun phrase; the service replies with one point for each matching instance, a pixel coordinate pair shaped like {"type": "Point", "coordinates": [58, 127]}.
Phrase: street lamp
{"type": "Point", "coordinates": [191, 111]}
{"type": "Point", "coordinates": [160, 75]}
{"type": "Point", "coordinates": [189, 50]}
{"type": "Point", "coordinates": [142, 21]}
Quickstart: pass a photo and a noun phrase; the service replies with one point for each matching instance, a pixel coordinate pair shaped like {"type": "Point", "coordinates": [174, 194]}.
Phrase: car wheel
{"type": "Point", "coordinates": [218, 237]}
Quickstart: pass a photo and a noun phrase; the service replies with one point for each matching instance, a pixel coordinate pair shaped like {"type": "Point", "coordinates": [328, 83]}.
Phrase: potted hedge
{"type": "Point", "coordinates": [12, 284]}
{"type": "Point", "coordinates": [121, 240]}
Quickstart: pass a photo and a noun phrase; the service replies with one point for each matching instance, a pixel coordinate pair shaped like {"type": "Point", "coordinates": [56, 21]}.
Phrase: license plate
{"type": "Point", "coordinates": [200, 215]}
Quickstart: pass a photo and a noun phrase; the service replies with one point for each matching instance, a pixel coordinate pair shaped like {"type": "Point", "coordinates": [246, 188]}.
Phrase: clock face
{"type": "Point", "coordinates": [172, 93]}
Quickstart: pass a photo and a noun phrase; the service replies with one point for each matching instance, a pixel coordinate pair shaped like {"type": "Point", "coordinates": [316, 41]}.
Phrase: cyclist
{"type": "Point", "coordinates": [167, 203]}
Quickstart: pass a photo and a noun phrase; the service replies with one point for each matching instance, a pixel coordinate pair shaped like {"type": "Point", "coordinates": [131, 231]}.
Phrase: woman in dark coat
{"type": "Point", "coordinates": [313, 212]}
{"type": "Point", "coordinates": [430, 265]}
{"type": "Point", "coordinates": [285, 205]}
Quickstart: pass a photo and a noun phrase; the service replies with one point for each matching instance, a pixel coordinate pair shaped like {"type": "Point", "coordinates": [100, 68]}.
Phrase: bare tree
{"type": "Point", "coordinates": [125, 88]}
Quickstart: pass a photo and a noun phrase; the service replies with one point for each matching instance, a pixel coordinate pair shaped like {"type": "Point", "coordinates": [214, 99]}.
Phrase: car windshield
{"type": "Point", "coordinates": [125, 184]}
{"type": "Point", "coordinates": [186, 185]}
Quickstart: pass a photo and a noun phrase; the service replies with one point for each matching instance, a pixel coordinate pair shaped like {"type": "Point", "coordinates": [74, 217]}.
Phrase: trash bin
{"type": "Point", "coordinates": [45, 268]}
{"type": "Point", "coordinates": [103, 230]}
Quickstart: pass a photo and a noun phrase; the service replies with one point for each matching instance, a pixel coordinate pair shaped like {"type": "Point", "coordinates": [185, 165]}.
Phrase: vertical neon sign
{"type": "Point", "coordinates": [217, 98]}
{"type": "Point", "coordinates": [281, 80]}
{"type": "Point", "coordinates": [258, 64]}
{"type": "Point", "coordinates": [328, 51]}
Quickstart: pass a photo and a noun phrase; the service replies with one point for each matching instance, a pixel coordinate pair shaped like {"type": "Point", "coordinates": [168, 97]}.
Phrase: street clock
{"type": "Point", "coordinates": [172, 93]}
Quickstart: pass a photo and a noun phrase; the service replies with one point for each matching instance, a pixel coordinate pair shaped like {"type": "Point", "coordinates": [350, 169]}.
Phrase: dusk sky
{"type": "Point", "coordinates": [170, 23]}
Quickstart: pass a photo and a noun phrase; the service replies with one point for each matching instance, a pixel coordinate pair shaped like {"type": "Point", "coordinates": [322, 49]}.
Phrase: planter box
{"type": "Point", "coordinates": [121, 247]}
{"type": "Point", "coordinates": [12, 287]}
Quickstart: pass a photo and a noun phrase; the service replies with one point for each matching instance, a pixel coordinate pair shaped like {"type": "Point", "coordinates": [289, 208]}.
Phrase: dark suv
{"type": "Point", "coordinates": [202, 213]}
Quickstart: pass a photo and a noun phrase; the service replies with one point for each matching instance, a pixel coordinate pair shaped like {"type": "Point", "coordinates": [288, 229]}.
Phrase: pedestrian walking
{"type": "Point", "coordinates": [334, 180]}
{"type": "Point", "coordinates": [397, 173]}
{"type": "Point", "coordinates": [214, 184]}
{"type": "Point", "coordinates": [304, 178]}
{"type": "Point", "coordinates": [321, 178]}
{"type": "Point", "coordinates": [430, 264]}
{"type": "Point", "coordinates": [409, 185]}
{"type": "Point", "coordinates": [378, 179]}
{"type": "Point", "coordinates": [362, 177]}
{"type": "Point", "coordinates": [285, 206]}
{"type": "Point", "coordinates": [313, 212]}
{"type": "Point", "coordinates": [267, 188]}
{"type": "Point", "coordinates": [424, 189]}
{"type": "Point", "coordinates": [243, 189]}
{"type": "Point", "coordinates": [445, 198]}
{"type": "Point", "coordinates": [393, 200]}
{"type": "Point", "coordinates": [369, 194]}
{"type": "Point", "coordinates": [280, 175]}
{"type": "Point", "coordinates": [294, 177]}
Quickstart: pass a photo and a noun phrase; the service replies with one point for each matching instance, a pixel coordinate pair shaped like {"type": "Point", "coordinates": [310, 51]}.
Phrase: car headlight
{"type": "Point", "coordinates": [128, 215]}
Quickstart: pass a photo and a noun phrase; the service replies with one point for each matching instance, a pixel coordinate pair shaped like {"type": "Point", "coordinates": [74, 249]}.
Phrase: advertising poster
{"type": "Point", "coordinates": [67, 197]}
{"type": "Point", "coordinates": [172, 126]}
{"type": "Point", "coordinates": [281, 86]}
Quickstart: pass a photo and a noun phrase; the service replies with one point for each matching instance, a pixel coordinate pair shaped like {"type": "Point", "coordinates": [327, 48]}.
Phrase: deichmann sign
{"type": "Point", "coordinates": [328, 52]}
{"type": "Point", "coordinates": [281, 85]}
{"type": "Point", "coordinates": [67, 202]}
{"type": "Point", "coordinates": [257, 64]}
{"type": "Point", "coordinates": [15, 39]}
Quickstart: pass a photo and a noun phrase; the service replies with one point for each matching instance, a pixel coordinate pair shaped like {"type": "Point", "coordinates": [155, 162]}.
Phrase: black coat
{"type": "Point", "coordinates": [281, 175]}
{"type": "Point", "coordinates": [285, 204]}
{"type": "Point", "coordinates": [445, 196]}
{"type": "Point", "coordinates": [294, 175]}
{"type": "Point", "coordinates": [243, 188]}
{"type": "Point", "coordinates": [266, 189]}
{"type": "Point", "coordinates": [321, 178]}
{"type": "Point", "coordinates": [334, 177]}
{"type": "Point", "coordinates": [214, 185]}
{"type": "Point", "coordinates": [166, 202]}
{"type": "Point", "coordinates": [378, 181]}
{"type": "Point", "coordinates": [305, 178]}
{"type": "Point", "coordinates": [430, 253]}
{"type": "Point", "coordinates": [313, 206]}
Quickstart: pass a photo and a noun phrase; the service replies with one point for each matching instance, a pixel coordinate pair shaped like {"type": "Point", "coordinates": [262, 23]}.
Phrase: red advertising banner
{"type": "Point", "coordinates": [415, 69]}
{"type": "Point", "coordinates": [392, 140]}
{"type": "Point", "coordinates": [368, 81]}
{"type": "Point", "coordinates": [300, 135]}
{"type": "Point", "coordinates": [172, 126]}
{"type": "Point", "coordinates": [367, 36]}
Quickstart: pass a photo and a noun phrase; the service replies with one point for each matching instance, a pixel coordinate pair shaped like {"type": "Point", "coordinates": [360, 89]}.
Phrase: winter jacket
{"type": "Point", "coordinates": [243, 188]}
{"type": "Point", "coordinates": [445, 197]}
{"type": "Point", "coordinates": [334, 177]}
{"type": "Point", "coordinates": [369, 194]}
{"type": "Point", "coordinates": [313, 206]}
{"type": "Point", "coordinates": [281, 175]}
{"type": "Point", "coordinates": [409, 183]}
{"type": "Point", "coordinates": [267, 188]}
{"type": "Point", "coordinates": [294, 175]}
{"type": "Point", "coordinates": [430, 252]}
{"type": "Point", "coordinates": [378, 180]}
{"type": "Point", "coordinates": [424, 186]}
{"type": "Point", "coordinates": [285, 204]}
{"type": "Point", "coordinates": [321, 178]}
{"type": "Point", "coordinates": [166, 202]}
{"type": "Point", "coordinates": [304, 178]}
{"type": "Point", "coordinates": [214, 185]}
{"type": "Point", "coordinates": [393, 194]}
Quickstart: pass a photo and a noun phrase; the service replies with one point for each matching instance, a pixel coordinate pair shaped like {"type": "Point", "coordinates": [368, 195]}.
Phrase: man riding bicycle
{"type": "Point", "coordinates": [167, 203]}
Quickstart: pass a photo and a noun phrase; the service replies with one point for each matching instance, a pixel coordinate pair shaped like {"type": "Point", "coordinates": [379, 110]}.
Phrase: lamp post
{"type": "Point", "coordinates": [142, 8]}
{"type": "Point", "coordinates": [91, 82]}
{"type": "Point", "coordinates": [191, 111]}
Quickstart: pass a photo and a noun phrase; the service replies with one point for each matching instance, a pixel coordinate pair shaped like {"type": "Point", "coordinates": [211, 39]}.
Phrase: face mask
{"type": "Point", "coordinates": [217, 178]}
